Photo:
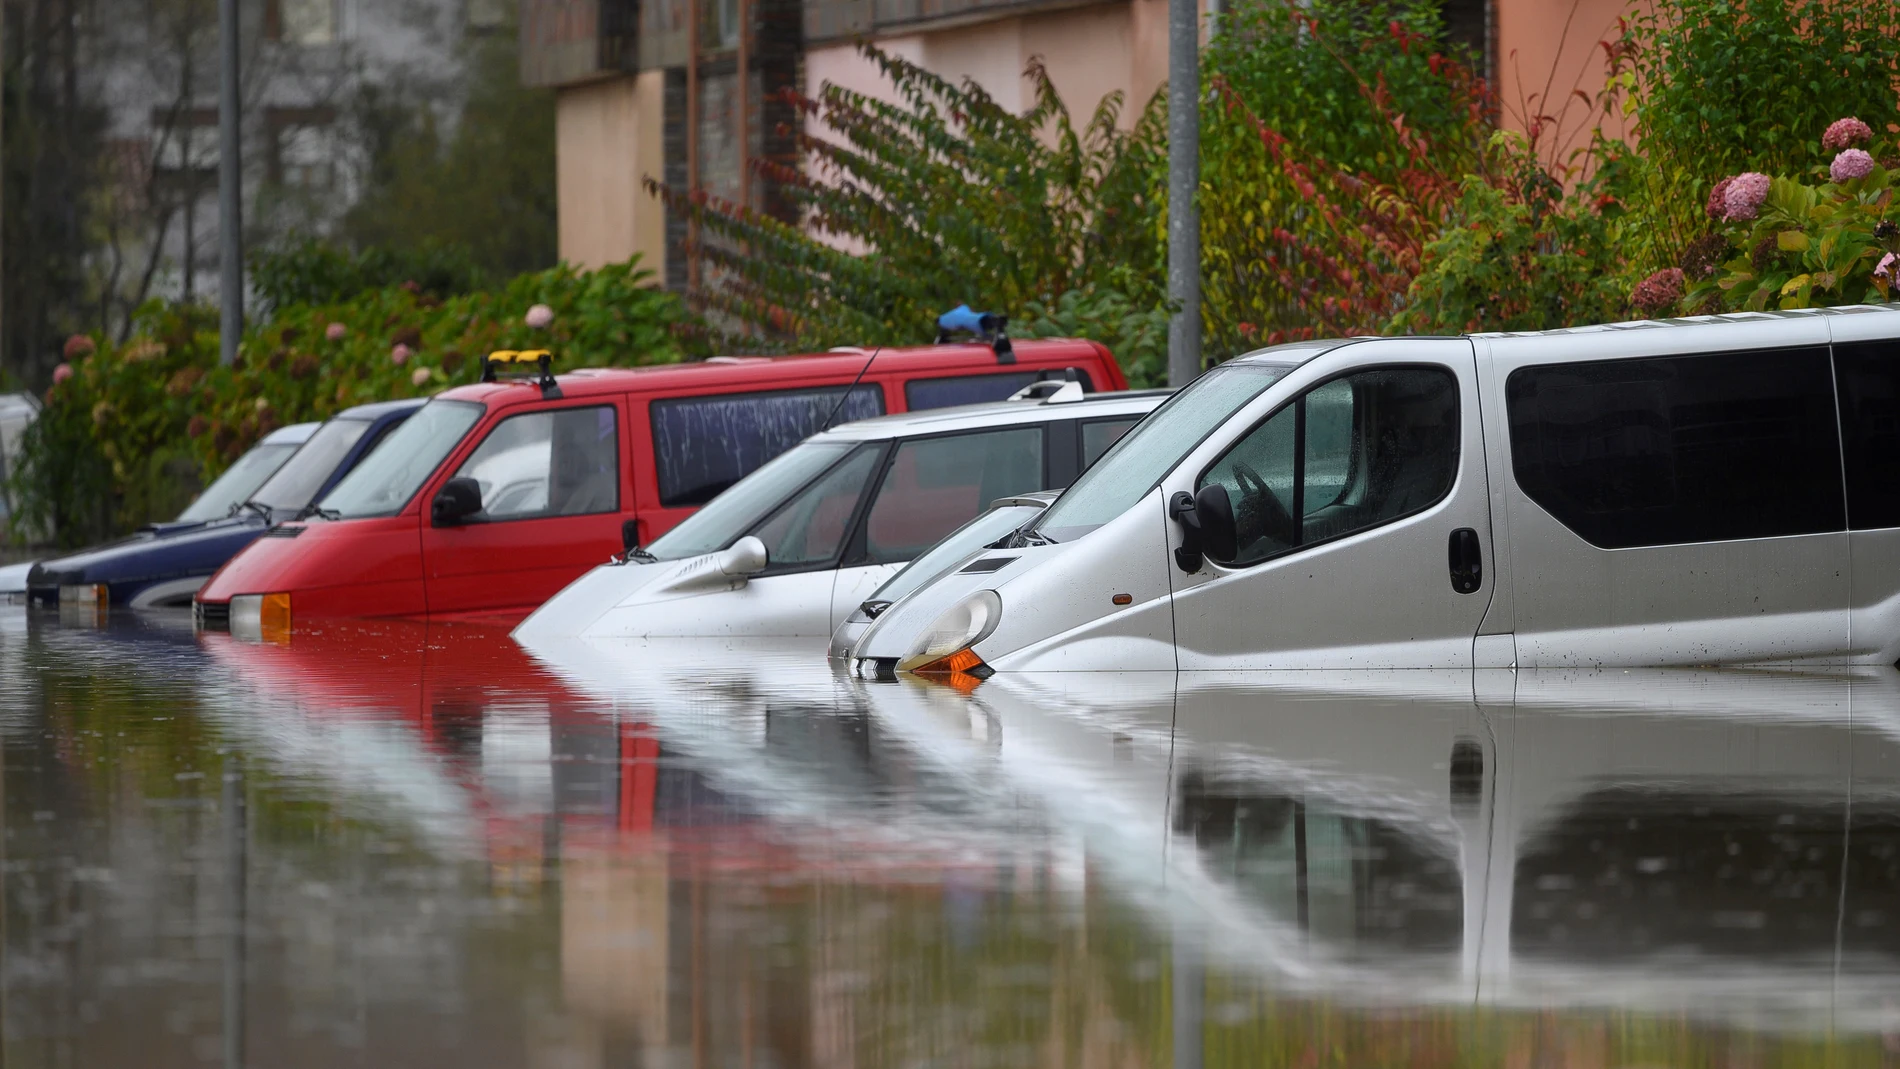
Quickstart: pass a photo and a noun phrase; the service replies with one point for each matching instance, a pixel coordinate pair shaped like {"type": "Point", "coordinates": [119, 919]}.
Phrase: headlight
{"type": "Point", "coordinates": [83, 594]}
{"type": "Point", "coordinates": [945, 645]}
{"type": "Point", "coordinates": [261, 618]}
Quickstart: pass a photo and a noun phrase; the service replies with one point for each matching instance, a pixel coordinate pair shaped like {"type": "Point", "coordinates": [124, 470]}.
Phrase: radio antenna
{"type": "Point", "coordinates": [836, 408]}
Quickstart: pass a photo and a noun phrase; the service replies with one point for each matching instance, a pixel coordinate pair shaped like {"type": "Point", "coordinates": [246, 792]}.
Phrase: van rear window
{"type": "Point", "coordinates": [701, 445]}
{"type": "Point", "coordinates": [920, 394]}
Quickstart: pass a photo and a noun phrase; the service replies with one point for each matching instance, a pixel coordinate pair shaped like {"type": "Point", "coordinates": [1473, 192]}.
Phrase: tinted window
{"type": "Point", "coordinates": [1868, 377]}
{"type": "Point", "coordinates": [933, 485]}
{"type": "Point", "coordinates": [1350, 454]}
{"type": "Point", "coordinates": [559, 463]}
{"type": "Point", "coordinates": [977, 389]}
{"type": "Point", "coordinates": [701, 445]}
{"type": "Point", "coordinates": [1098, 435]}
{"type": "Point", "coordinates": [1680, 449]}
{"type": "Point", "coordinates": [810, 528]}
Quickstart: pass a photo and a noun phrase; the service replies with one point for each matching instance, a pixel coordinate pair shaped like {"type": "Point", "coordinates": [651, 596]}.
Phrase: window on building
{"type": "Point", "coordinates": [1867, 375]}
{"type": "Point", "coordinates": [1351, 454]}
{"type": "Point", "coordinates": [301, 22]}
{"type": "Point", "coordinates": [701, 445]}
{"type": "Point", "coordinates": [551, 463]}
{"type": "Point", "coordinates": [1668, 450]}
{"type": "Point", "coordinates": [303, 149]}
{"type": "Point", "coordinates": [934, 485]}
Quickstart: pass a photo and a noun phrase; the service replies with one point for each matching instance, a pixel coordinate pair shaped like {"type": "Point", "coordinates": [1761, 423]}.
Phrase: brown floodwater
{"type": "Point", "coordinates": [397, 844]}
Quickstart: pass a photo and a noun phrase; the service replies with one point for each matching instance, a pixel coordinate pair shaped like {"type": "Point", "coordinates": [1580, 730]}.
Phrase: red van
{"type": "Point", "coordinates": [492, 497]}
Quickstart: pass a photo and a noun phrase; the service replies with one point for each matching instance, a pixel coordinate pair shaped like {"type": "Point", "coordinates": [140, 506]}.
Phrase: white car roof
{"type": "Point", "coordinates": [999, 414]}
{"type": "Point", "coordinates": [295, 434]}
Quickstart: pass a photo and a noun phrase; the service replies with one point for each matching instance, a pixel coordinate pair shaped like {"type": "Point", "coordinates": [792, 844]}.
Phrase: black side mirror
{"type": "Point", "coordinates": [630, 535]}
{"type": "Point", "coordinates": [1207, 527]}
{"type": "Point", "coordinates": [458, 499]}
{"type": "Point", "coordinates": [1215, 510]}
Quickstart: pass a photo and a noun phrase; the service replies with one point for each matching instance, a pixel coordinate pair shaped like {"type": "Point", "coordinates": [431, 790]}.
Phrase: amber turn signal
{"type": "Point", "coordinates": [963, 662]}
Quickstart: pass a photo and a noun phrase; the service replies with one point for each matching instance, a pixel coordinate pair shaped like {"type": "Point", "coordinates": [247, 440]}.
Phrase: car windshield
{"type": "Point", "coordinates": [730, 515]}
{"type": "Point", "coordinates": [303, 475]}
{"type": "Point", "coordinates": [386, 479]}
{"type": "Point", "coordinates": [987, 528]}
{"type": "Point", "coordinates": [1139, 459]}
{"type": "Point", "coordinates": [238, 482]}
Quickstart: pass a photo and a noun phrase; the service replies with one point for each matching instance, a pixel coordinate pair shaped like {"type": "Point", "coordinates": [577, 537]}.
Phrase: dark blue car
{"type": "Point", "coordinates": [165, 564]}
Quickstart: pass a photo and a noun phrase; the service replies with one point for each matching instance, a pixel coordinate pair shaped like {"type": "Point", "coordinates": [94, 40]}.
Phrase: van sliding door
{"type": "Point", "coordinates": [1671, 499]}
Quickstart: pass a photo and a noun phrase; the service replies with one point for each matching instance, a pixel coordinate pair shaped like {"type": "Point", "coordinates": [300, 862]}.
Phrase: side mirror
{"type": "Point", "coordinates": [1207, 527]}
{"type": "Point", "coordinates": [1219, 537]}
{"type": "Point", "coordinates": [630, 535]}
{"type": "Point", "coordinates": [747, 556]}
{"type": "Point", "coordinates": [458, 499]}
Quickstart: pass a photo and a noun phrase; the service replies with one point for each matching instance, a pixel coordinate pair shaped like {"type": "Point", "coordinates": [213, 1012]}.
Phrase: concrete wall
{"type": "Point", "coordinates": [607, 142]}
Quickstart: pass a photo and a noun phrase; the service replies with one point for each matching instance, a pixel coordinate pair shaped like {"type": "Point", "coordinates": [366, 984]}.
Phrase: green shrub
{"type": "Point", "coordinates": [108, 451]}
{"type": "Point", "coordinates": [309, 271]}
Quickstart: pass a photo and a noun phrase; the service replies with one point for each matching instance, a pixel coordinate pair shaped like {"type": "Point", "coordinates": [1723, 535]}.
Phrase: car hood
{"type": "Point", "coordinates": [174, 549]}
{"type": "Point", "coordinates": [13, 577]}
{"type": "Point", "coordinates": [578, 610]}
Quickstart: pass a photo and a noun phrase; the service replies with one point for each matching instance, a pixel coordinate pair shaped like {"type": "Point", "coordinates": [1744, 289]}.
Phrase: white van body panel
{"type": "Point", "coordinates": [1744, 601]}
{"type": "Point", "coordinates": [1067, 593]}
{"type": "Point", "coordinates": [1308, 608]}
{"type": "Point", "coordinates": [1873, 566]}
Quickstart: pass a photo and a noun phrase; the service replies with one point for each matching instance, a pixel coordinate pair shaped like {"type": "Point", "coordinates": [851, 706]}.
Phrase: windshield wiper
{"type": "Point", "coordinates": [319, 512]}
{"type": "Point", "coordinates": [258, 507]}
{"type": "Point", "coordinates": [641, 555]}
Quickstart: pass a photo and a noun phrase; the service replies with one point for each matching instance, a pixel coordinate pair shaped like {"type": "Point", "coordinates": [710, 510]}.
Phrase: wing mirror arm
{"type": "Point", "coordinates": [1207, 527]}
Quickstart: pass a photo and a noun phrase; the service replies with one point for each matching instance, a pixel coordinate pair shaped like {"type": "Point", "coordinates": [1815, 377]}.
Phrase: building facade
{"type": "Point", "coordinates": [631, 107]}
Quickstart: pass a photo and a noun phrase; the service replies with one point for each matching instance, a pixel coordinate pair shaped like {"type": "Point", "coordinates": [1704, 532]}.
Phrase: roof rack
{"type": "Point", "coordinates": [542, 359]}
{"type": "Point", "coordinates": [988, 326]}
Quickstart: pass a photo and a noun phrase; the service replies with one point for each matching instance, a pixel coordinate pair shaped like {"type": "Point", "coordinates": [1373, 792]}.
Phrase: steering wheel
{"type": "Point", "coordinates": [1259, 512]}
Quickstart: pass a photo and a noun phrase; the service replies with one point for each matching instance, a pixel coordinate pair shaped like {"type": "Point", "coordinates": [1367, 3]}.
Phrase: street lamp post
{"type": "Point", "coordinates": [1184, 179]}
{"type": "Point", "coordinates": [230, 189]}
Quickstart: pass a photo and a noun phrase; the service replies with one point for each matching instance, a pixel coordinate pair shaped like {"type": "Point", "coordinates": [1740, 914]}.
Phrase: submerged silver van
{"type": "Point", "coordinates": [1714, 490]}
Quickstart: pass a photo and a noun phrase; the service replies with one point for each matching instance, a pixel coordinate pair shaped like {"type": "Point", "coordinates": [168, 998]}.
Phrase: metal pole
{"type": "Point", "coordinates": [230, 189]}
{"type": "Point", "coordinates": [1184, 178]}
{"type": "Point", "coordinates": [236, 865]}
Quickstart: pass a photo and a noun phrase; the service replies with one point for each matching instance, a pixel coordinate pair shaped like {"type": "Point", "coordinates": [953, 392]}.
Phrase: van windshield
{"type": "Point", "coordinates": [730, 515]}
{"type": "Point", "coordinates": [392, 473]}
{"type": "Point", "coordinates": [302, 475]}
{"type": "Point", "coordinates": [1139, 459]}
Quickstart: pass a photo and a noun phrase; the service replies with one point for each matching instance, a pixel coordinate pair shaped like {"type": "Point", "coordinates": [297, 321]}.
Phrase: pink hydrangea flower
{"type": "Point", "coordinates": [78, 347]}
{"type": "Point", "coordinates": [335, 331]}
{"type": "Point", "coordinates": [1851, 164]}
{"type": "Point", "coordinates": [1745, 194]}
{"type": "Point", "coordinates": [1882, 270]}
{"type": "Point", "coordinates": [419, 376]}
{"type": "Point", "coordinates": [539, 316]}
{"type": "Point", "coordinates": [400, 354]}
{"type": "Point", "coordinates": [65, 371]}
{"type": "Point", "coordinates": [1718, 199]}
{"type": "Point", "coordinates": [1846, 133]}
{"type": "Point", "coordinates": [1659, 292]}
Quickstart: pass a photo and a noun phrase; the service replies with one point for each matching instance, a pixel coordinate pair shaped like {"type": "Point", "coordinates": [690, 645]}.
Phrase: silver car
{"type": "Point", "coordinates": [795, 547]}
{"type": "Point", "coordinates": [1706, 491]}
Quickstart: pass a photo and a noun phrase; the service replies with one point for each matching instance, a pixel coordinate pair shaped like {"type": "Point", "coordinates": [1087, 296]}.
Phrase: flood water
{"type": "Point", "coordinates": [393, 844]}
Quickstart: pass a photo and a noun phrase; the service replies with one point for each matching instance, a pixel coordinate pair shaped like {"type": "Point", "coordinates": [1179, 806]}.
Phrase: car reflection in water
{"type": "Point", "coordinates": [457, 851]}
{"type": "Point", "coordinates": [1717, 843]}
